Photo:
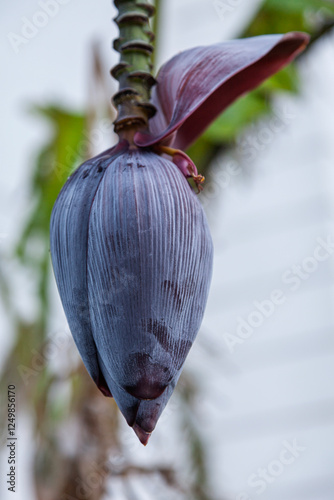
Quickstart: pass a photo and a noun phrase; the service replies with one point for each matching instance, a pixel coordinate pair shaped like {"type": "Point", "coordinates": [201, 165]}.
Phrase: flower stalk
{"type": "Point", "coordinates": [134, 69]}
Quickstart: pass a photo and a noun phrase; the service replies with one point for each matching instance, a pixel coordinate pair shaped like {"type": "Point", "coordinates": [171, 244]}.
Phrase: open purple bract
{"type": "Point", "coordinates": [130, 244]}
{"type": "Point", "coordinates": [195, 86]}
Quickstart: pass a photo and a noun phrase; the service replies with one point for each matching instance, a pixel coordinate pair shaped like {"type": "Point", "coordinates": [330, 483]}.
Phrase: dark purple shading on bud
{"type": "Point", "coordinates": [132, 256]}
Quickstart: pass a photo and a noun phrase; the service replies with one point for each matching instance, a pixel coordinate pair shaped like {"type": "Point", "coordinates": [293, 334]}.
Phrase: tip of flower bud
{"type": "Point", "coordinates": [141, 434]}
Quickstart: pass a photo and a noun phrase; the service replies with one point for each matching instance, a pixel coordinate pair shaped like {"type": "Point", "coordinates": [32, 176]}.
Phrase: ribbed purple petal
{"type": "Point", "coordinates": [68, 242]}
{"type": "Point", "coordinates": [149, 270]}
{"type": "Point", "coordinates": [195, 86]}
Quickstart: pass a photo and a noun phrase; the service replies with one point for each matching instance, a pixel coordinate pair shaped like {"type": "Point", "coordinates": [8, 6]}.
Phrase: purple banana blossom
{"type": "Point", "coordinates": [130, 244]}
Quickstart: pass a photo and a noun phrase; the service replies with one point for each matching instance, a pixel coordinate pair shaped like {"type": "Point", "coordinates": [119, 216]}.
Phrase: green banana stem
{"type": "Point", "coordinates": [133, 72]}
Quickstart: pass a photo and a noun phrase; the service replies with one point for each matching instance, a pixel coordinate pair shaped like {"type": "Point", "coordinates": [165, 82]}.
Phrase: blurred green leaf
{"type": "Point", "coordinates": [242, 113]}
{"type": "Point", "coordinates": [285, 80]}
{"type": "Point", "coordinates": [299, 6]}
{"type": "Point", "coordinates": [236, 117]}
{"type": "Point", "coordinates": [54, 164]}
{"type": "Point", "coordinates": [281, 16]}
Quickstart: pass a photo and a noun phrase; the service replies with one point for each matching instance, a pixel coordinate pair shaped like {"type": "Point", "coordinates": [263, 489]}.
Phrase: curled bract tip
{"type": "Point", "coordinates": [141, 434]}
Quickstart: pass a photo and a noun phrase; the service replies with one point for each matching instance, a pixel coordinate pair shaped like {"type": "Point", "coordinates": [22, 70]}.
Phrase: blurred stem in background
{"type": "Point", "coordinates": [60, 401]}
{"type": "Point", "coordinates": [156, 28]}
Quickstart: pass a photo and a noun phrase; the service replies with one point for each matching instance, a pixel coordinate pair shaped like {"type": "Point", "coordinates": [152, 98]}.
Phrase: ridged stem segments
{"type": "Point", "coordinates": [134, 69]}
